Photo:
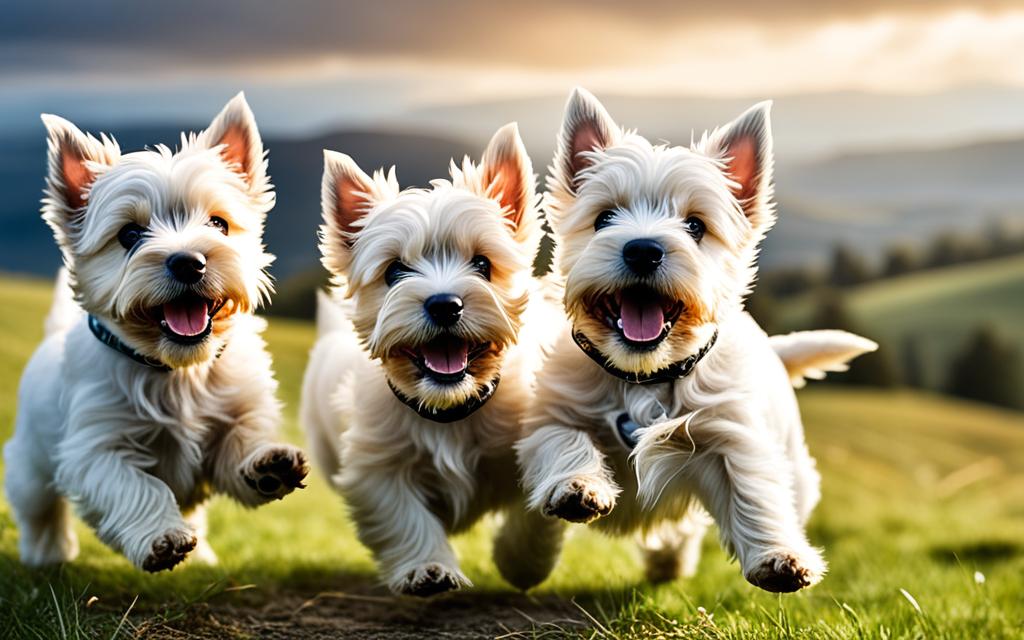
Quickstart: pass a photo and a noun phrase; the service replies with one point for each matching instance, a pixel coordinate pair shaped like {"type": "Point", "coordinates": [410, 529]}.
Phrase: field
{"type": "Point", "coordinates": [936, 308]}
{"type": "Point", "coordinates": [922, 521]}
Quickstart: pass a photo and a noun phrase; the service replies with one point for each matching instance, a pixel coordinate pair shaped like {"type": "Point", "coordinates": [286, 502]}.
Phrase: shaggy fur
{"type": "Point", "coordinates": [728, 436]}
{"type": "Point", "coordinates": [410, 481]}
{"type": "Point", "coordinates": [138, 449]}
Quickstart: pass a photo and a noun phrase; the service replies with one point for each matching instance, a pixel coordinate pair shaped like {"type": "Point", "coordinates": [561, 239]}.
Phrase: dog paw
{"type": "Point", "coordinates": [168, 549]}
{"type": "Point", "coordinates": [786, 572]}
{"type": "Point", "coordinates": [429, 580]}
{"type": "Point", "coordinates": [277, 472]}
{"type": "Point", "coordinates": [580, 501]}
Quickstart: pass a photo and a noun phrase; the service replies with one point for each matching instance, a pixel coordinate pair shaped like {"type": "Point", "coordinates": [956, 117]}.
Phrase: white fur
{"type": "Point", "coordinates": [810, 355]}
{"type": "Point", "coordinates": [728, 436]}
{"type": "Point", "coordinates": [411, 482]}
{"type": "Point", "coordinates": [137, 450]}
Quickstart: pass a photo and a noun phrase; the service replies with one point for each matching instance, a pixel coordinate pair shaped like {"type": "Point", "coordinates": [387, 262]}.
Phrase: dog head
{"type": "Point", "coordinates": [164, 247]}
{"type": "Point", "coordinates": [657, 243]}
{"type": "Point", "coordinates": [438, 276]}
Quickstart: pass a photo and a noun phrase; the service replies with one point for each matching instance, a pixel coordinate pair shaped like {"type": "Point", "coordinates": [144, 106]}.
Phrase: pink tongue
{"type": "Point", "coordinates": [642, 320]}
{"type": "Point", "coordinates": [187, 316]}
{"type": "Point", "coordinates": [446, 355]}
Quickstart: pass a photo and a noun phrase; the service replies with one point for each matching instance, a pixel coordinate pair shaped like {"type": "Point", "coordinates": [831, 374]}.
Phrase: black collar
{"type": "Point", "coordinates": [674, 371]}
{"type": "Point", "coordinates": [451, 414]}
{"type": "Point", "coordinates": [107, 337]}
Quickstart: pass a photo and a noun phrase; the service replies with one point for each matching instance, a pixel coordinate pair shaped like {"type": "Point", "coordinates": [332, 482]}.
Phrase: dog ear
{"type": "Point", "coordinates": [346, 195]}
{"type": "Point", "coordinates": [586, 127]}
{"type": "Point", "coordinates": [74, 159]}
{"type": "Point", "coordinates": [508, 173]}
{"type": "Point", "coordinates": [234, 131]}
{"type": "Point", "coordinates": [745, 146]}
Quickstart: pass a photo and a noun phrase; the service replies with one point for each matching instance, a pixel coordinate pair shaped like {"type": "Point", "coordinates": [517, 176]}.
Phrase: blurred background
{"type": "Point", "coordinates": [899, 129]}
{"type": "Point", "coordinates": [898, 124]}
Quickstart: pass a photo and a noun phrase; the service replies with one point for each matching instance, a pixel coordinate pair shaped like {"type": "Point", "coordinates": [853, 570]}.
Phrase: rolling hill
{"type": "Point", "coordinates": [938, 309]}
{"type": "Point", "coordinates": [921, 496]}
{"type": "Point", "coordinates": [866, 200]}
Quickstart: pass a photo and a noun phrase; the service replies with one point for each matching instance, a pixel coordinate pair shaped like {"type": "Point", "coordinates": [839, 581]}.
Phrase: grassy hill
{"type": "Point", "coordinates": [937, 308]}
{"type": "Point", "coordinates": [920, 494]}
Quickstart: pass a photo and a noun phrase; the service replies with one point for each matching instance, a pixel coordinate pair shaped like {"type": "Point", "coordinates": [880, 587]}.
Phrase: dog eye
{"type": "Point", "coordinates": [482, 266]}
{"type": "Point", "coordinates": [218, 223]}
{"type": "Point", "coordinates": [130, 235]}
{"type": "Point", "coordinates": [395, 272]}
{"type": "Point", "coordinates": [604, 219]}
{"type": "Point", "coordinates": [695, 227]}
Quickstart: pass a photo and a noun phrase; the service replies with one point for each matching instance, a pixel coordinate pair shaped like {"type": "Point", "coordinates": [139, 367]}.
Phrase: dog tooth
{"type": "Point", "coordinates": [618, 323]}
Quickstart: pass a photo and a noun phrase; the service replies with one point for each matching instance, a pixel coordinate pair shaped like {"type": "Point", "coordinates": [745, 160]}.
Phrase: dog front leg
{"type": "Point", "coordinates": [564, 474]}
{"type": "Point", "coordinates": [407, 539]}
{"type": "Point", "coordinates": [132, 511]}
{"type": "Point", "coordinates": [744, 483]}
{"type": "Point", "coordinates": [248, 465]}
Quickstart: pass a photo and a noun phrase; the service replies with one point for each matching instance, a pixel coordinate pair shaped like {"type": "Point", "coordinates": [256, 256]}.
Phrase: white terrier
{"type": "Point", "coordinates": [664, 392]}
{"type": "Point", "coordinates": [401, 400]}
{"type": "Point", "coordinates": [155, 389]}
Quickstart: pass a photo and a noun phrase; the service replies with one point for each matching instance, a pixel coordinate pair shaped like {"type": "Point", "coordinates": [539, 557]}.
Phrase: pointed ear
{"type": "Point", "coordinates": [508, 173]}
{"type": "Point", "coordinates": [74, 159]}
{"type": "Point", "coordinates": [234, 130]}
{"type": "Point", "coordinates": [586, 127]}
{"type": "Point", "coordinates": [346, 195]}
{"type": "Point", "coordinates": [745, 145]}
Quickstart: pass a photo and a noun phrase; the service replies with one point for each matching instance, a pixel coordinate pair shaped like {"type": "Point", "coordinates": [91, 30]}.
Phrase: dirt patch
{"type": "Point", "coordinates": [360, 615]}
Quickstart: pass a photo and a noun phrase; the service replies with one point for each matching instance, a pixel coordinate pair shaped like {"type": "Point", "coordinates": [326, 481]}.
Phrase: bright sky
{"type": "Point", "coordinates": [352, 63]}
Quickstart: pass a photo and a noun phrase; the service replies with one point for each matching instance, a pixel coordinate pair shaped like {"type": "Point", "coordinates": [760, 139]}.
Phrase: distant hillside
{"type": "Point", "coordinates": [873, 200]}
{"type": "Point", "coordinates": [865, 200]}
{"type": "Point", "coordinates": [938, 309]}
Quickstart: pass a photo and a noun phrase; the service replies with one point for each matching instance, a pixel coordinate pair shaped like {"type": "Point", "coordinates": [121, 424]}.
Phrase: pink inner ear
{"type": "Point", "coordinates": [743, 167]}
{"type": "Point", "coordinates": [77, 177]}
{"type": "Point", "coordinates": [506, 183]}
{"type": "Point", "coordinates": [586, 138]}
{"type": "Point", "coordinates": [236, 149]}
{"type": "Point", "coordinates": [350, 204]}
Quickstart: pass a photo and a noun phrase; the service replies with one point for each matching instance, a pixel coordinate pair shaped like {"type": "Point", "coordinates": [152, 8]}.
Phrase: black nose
{"type": "Point", "coordinates": [444, 309]}
{"type": "Point", "coordinates": [187, 267]}
{"type": "Point", "coordinates": [643, 256]}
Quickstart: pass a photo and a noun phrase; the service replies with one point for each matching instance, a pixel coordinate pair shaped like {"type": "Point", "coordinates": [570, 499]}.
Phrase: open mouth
{"type": "Point", "coordinates": [187, 319]}
{"type": "Point", "coordinates": [642, 317]}
{"type": "Point", "coordinates": [444, 359]}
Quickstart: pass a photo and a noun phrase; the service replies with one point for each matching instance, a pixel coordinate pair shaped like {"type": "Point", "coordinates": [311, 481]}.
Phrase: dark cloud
{"type": "Point", "coordinates": [60, 35]}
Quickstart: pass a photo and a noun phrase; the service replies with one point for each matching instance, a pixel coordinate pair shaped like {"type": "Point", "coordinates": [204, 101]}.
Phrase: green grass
{"type": "Point", "coordinates": [938, 308]}
{"type": "Point", "coordinates": [920, 493]}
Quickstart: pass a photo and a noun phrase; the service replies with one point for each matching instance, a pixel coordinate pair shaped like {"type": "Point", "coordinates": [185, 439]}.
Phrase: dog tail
{"type": "Point", "coordinates": [64, 311]}
{"type": "Point", "coordinates": [809, 355]}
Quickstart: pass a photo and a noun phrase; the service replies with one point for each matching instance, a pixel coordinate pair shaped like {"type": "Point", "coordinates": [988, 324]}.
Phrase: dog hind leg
{"type": "Point", "coordinates": [42, 515]}
{"type": "Point", "coordinates": [672, 550]}
{"type": "Point", "coordinates": [527, 546]}
{"type": "Point", "coordinates": [203, 552]}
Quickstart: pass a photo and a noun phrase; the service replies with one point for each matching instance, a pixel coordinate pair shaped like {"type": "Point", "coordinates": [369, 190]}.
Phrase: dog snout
{"type": "Point", "coordinates": [445, 309]}
{"type": "Point", "coordinates": [643, 256]}
{"type": "Point", "coordinates": [187, 267]}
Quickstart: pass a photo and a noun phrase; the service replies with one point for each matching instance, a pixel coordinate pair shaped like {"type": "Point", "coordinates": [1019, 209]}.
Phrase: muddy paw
{"type": "Point", "coordinates": [429, 580]}
{"type": "Point", "coordinates": [580, 501]}
{"type": "Point", "coordinates": [786, 573]}
{"type": "Point", "coordinates": [277, 472]}
{"type": "Point", "coordinates": [169, 549]}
